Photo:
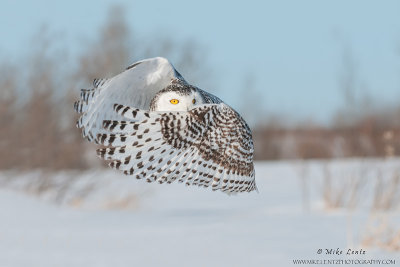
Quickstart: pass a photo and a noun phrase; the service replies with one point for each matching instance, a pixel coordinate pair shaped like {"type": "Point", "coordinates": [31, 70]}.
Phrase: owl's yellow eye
{"type": "Point", "coordinates": [194, 101]}
{"type": "Point", "coordinates": [174, 101]}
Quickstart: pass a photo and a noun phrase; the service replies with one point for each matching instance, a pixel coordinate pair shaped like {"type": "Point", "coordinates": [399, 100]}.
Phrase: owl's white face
{"type": "Point", "coordinates": [174, 101]}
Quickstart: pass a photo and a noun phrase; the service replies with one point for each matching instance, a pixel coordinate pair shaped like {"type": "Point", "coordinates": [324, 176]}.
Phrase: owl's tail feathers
{"type": "Point", "coordinates": [253, 183]}
{"type": "Point", "coordinates": [256, 188]}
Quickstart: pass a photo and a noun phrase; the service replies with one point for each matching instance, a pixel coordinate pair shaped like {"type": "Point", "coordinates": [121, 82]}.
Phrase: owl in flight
{"type": "Point", "coordinates": [155, 126]}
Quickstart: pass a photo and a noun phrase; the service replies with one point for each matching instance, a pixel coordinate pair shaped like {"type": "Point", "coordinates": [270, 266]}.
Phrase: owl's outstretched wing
{"type": "Point", "coordinates": [210, 145]}
{"type": "Point", "coordinates": [135, 87]}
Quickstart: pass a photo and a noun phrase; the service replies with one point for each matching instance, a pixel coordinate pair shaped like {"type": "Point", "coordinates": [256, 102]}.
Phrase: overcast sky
{"type": "Point", "coordinates": [292, 49]}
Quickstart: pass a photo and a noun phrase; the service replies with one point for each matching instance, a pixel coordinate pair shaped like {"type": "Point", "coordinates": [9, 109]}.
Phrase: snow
{"type": "Point", "coordinates": [175, 225]}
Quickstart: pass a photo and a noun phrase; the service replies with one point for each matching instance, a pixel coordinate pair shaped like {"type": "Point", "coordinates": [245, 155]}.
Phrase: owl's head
{"type": "Point", "coordinates": [176, 98]}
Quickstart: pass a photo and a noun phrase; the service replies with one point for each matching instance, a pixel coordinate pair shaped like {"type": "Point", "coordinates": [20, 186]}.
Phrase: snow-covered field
{"type": "Point", "coordinates": [120, 221]}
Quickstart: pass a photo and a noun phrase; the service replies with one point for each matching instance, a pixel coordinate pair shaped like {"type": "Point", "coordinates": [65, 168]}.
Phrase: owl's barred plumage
{"type": "Point", "coordinates": [206, 144]}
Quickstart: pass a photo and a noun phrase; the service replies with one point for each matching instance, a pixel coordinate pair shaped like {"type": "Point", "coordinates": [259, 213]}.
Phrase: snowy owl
{"type": "Point", "coordinates": [154, 125]}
